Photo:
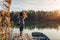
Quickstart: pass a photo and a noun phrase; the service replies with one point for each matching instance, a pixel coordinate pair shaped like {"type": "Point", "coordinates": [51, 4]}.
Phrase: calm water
{"type": "Point", "coordinates": [52, 30]}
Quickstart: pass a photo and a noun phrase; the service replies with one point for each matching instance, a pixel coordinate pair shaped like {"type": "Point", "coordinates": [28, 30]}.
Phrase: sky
{"type": "Point", "coordinates": [19, 5]}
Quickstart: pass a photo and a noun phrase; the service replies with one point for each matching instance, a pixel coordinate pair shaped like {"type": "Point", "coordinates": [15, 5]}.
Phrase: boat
{"type": "Point", "coordinates": [39, 36]}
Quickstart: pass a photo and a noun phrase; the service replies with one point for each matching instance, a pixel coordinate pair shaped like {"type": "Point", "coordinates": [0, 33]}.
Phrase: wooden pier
{"type": "Point", "coordinates": [24, 36]}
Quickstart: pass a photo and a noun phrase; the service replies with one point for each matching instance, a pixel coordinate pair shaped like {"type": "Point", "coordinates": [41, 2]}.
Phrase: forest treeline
{"type": "Point", "coordinates": [38, 15]}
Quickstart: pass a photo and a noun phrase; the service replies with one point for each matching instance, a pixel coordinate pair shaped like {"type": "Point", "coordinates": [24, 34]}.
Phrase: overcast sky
{"type": "Point", "coordinates": [18, 5]}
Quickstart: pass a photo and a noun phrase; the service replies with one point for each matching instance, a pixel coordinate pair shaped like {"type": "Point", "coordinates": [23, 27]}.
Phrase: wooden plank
{"type": "Point", "coordinates": [24, 36]}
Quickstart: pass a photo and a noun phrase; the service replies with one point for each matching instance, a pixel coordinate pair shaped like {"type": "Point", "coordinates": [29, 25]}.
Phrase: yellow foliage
{"type": "Point", "coordinates": [8, 14]}
{"type": "Point", "coordinates": [3, 12]}
{"type": "Point", "coordinates": [0, 19]}
{"type": "Point", "coordinates": [8, 1]}
{"type": "Point", "coordinates": [7, 20]}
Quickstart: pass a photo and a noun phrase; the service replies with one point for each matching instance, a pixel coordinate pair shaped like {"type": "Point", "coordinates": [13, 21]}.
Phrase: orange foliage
{"type": "Point", "coordinates": [8, 14]}
{"type": "Point", "coordinates": [3, 12]}
{"type": "Point", "coordinates": [7, 17]}
{"type": "Point", "coordinates": [8, 1]}
{"type": "Point", "coordinates": [8, 21]}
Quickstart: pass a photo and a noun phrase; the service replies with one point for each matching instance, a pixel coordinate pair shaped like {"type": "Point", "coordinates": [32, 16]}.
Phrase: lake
{"type": "Point", "coordinates": [50, 29]}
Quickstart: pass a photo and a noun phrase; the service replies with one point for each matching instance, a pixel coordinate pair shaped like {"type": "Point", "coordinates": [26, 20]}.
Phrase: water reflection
{"type": "Point", "coordinates": [42, 25]}
{"type": "Point", "coordinates": [53, 34]}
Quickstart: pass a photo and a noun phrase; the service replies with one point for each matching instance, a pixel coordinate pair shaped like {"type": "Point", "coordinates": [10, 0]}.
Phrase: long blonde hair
{"type": "Point", "coordinates": [24, 14]}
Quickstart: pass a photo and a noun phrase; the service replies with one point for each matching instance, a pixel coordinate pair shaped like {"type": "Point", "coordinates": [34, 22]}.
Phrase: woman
{"type": "Point", "coordinates": [21, 17]}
